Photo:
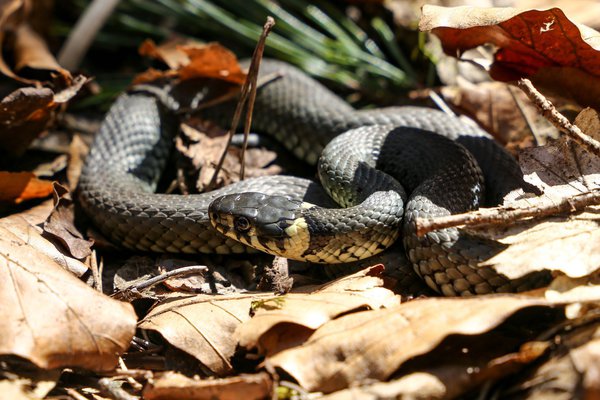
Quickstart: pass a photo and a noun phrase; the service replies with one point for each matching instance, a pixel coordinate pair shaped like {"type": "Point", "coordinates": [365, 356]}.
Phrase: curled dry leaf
{"type": "Point", "coordinates": [16, 187]}
{"type": "Point", "coordinates": [29, 50]}
{"type": "Point", "coordinates": [61, 224]}
{"type": "Point", "coordinates": [374, 344]}
{"type": "Point", "coordinates": [286, 321]}
{"type": "Point", "coordinates": [544, 46]}
{"type": "Point", "coordinates": [570, 244]}
{"type": "Point", "coordinates": [52, 318]}
{"type": "Point", "coordinates": [171, 385]}
{"type": "Point", "coordinates": [26, 112]}
{"type": "Point", "coordinates": [23, 227]}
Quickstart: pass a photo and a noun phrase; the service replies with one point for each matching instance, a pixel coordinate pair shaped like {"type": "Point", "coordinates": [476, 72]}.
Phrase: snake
{"type": "Point", "coordinates": [384, 168]}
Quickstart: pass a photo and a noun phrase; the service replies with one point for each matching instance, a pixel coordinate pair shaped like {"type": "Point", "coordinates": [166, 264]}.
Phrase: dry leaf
{"type": "Point", "coordinates": [374, 344]}
{"type": "Point", "coordinates": [22, 225]}
{"type": "Point", "coordinates": [286, 321]}
{"type": "Point", "coordinates": [26, 112]}
{"type": "Point", "coordinates": [541, 45]}
{"type": "Point", "coordinates": [171, 385]}
{"type": "Point", "coordinates": [52, 318]}
{"type": "Point", "coordinates": [16, 187]}
{"type": "Point", "coordinates": [202, 325]}
{"type": "Point", "coordinates": [204, 149]}
{"type": "Point", "coordinates": [61, 224]}
{"type": "Point", "coordinates": [168, 52]}
{"type": "Point", "coordinates": [192, 60]}
{"type": "Point", "coordinates": [498, 108]}
{"type": "Point", "coordinates": [570, 244]}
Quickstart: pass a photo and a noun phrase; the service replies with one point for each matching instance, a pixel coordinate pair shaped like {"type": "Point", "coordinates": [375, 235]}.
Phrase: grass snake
{"type": "Point", "coordinates": [385, 167]}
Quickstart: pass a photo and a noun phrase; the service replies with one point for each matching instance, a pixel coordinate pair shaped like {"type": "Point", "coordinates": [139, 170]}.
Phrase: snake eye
{"type": "Point", "coordinates": [242, 224]}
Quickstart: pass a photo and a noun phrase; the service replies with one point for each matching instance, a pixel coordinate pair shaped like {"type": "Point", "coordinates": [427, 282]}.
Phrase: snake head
{"type": "Point", "coordinates": [272, 224]}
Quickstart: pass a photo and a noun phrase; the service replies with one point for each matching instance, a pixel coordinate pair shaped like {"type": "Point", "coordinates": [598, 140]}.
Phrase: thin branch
{"type": "Point", "coordinates": [253, 76]}
{"type": "Point", "coordinates": [557, 119]}
{"type": "Point", "coordinates": [137, 288]}
{"type": "Point", "coordinates": [253, 70]}
{"type": "Point", "coordinates": [506, 215]}
{"type": "Point", "coordinates": [85, 31]}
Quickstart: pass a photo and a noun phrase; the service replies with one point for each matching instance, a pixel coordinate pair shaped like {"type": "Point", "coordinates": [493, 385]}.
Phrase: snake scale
{"type": "Point", "coordinates": [387, 167]}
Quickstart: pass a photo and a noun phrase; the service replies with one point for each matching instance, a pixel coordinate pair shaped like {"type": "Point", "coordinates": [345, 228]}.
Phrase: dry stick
{"type": "Point", "coordinates": [557, 119]}
{"type": "Point", "coordinates": [159, 279]}
{"type": "Point", "coordinates": [253, 77]}
{"type": "Point", "coordinates": [253, 70]}
{"type": "Point", "coordinates": [503, 215]}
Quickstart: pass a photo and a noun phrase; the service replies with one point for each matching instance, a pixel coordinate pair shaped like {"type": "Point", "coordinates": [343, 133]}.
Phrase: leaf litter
{"type": "Point", "coordinates": [346, 335]}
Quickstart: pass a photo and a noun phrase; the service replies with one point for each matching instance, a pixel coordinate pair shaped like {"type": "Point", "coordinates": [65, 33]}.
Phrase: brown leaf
{"type": "Point", "coordinates": [61, 224]}
{"type": "Point", "coordinates": [286, 321]}
{"type": "Point", "coordinates": [202, 325]}
{"type": "Point", "coordinates": [32, 52]}
{"type": "Point", "coordinates": [499, 109]}
{"type": "Point", "coordinates": [191, 60]}
{"type": "Point", "coordinates": [26, 112]}
{"type": "Point", "coordinates": [542, 45]}
{"type": "Point", "coordinates": [212, 61]}
{"type": "Point", "coordinates": [168, 52]}
{"type": "Point", "coordinates": [203, 149]}
{"type": "Point", "coordinates": [24, 226]}
{"type": "Point", "coordinates": [374, 344]}
{"type": "Point", "coordinates": [16, 187]}
{"type": "Point", "coordinates": [52, 318]}
{"type": "Point", "coordinates": [171, 385]}
{"type": "Point", "coordinates": [570, 244]}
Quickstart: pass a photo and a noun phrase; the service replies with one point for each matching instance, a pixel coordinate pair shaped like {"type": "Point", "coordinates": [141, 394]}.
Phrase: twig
{"type": "Point", "coordinates": [96, 272]}
{"type": "Point", "coordinates": [557, 119]}
{"type": "Point", "coordinates": [504, 215]}
{"type": "Point", "coordinates": [521, 108]}
{"type": "Point", "coordinates": [137, 288]}
{"type": "Point", "coordinates": [83, 34]}
{"type": "Point", "coordinates": [248, 88]}
{"type": "Point", "coordinates": [253, 77]}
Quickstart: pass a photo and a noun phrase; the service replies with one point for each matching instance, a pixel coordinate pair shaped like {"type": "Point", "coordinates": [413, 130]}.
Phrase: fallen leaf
{"type": "Point", "coordinates": [168, 52]}
{"type": "Point", "coordinates": [501, 110]}
{"type": "Point", "coordinates": [24, 113]}
{"type": "Point", "coordinates": [571, 371]}
{"type": "Point", "coordinates": [24, 227]}
{"type": "Point", "coordinates": [31, 52]}
{"type": "Point", "coordinates": [374, 344]}
{"type": "Point", "coordinates": [17, 187]}
{"type": "Point", "coordinates": [287, 321]}
{"type": "Point", "coordinates": [61, 225]}
{"type": "Point", "coordinates": [203, 149]}
{"type": "Point", "coordinates": [569, 244]}
{"type": "Point", "coordinates": [544, 46]}
{"type": "Point", "coordinates": [190, 60]}
{"type": "Point", "coordinates": [581, 11]}
{"type": "Point", "coordinates": [27, 112]}
{"type": "Point", "coordinates": [52, 318]}
{"type": "Point", "coordinates": [171, 385]}
{"type": "Point", "coordinates": [202, 325]}
{"type": "Point", "coordinates": [34, 384]}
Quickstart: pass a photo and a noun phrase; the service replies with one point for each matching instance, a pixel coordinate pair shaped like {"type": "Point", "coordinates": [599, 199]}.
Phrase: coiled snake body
{"type": "Point", "coordinates": [372, 159]}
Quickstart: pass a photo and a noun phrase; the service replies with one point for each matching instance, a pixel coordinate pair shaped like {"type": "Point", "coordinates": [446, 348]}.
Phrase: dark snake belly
{"type": "Point", "coordinates": [127, 158]}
